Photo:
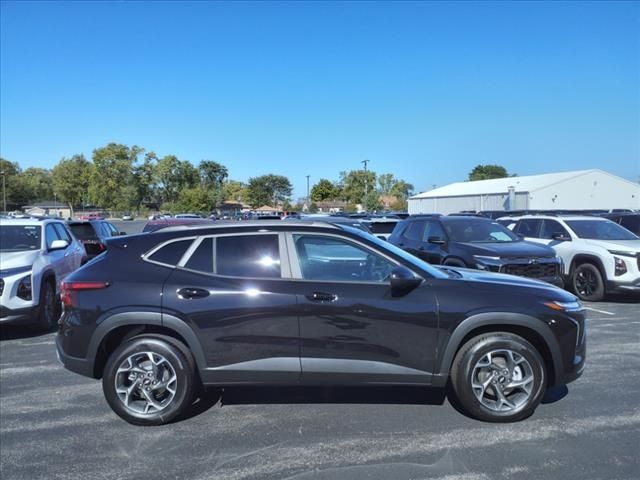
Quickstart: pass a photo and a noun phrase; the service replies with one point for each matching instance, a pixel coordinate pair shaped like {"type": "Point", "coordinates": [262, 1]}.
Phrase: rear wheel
{"type": "Point", "coordinates": [587, 282]}
{"type": "Point", "coordinates": [454, 262]}
{"type": "Point", "coordinates": [498, 377]}
{"type": "Point", "coordinates": [149, 380]}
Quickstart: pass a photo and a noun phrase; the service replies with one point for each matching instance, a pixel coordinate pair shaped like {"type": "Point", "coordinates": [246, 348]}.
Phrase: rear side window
{"type": "Point", "coordinates": [528, 227]}
{"type": "Point", "coordinates": [256, 256]}
{"type": "Point", "coordinates": [171, 253]}
{"type": "Point", "coordinates": [202, 257]}
{"type": "Point", "coordinates": [414, 231]}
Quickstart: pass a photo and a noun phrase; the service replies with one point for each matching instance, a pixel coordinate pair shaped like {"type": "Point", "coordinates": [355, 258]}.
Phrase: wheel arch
{"type": "Point", "coordinates": [581, 258]}
{"type": "Point", "coordinates": [530, 328]}
{"type": "Point", "coordinates": [120, 327]}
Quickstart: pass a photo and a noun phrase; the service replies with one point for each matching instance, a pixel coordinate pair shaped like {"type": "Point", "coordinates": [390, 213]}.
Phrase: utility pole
{"type": "Point", "coordinates": [4, 191]}
{"type": "Point", "coordinates": [308, 191]}
{"type": "Point", "coordinates": [366, 184]}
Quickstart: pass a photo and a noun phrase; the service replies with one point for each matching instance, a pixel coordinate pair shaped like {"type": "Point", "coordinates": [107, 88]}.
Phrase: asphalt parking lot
{"type": "Point", "coordinates": [55, 424]}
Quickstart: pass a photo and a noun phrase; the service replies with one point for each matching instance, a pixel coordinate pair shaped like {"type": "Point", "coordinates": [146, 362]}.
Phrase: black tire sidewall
{"type": "Point", "coordinates": [182, 366]}
{"type": "Point", "coordinates": [43, 322]}
{"type": "Point", "coordinates": [469, 355]}
{"type": "Point", "coordinates": [600, 291]}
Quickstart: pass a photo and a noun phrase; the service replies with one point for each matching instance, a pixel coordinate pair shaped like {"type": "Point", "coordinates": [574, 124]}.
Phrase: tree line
{"type": "Point", "coordinates": [122, 178]}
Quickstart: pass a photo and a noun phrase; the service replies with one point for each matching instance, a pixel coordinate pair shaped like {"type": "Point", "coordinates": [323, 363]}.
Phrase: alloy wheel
{"type": "Point", "coordinates": [586, 282]}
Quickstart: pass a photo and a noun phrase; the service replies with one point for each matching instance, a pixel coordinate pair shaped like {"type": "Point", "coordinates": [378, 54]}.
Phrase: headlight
{"type": "Point", "coordinates": [484, 262]}
{"type": "Point", "coordinates": [624, 253]}
{"type": "Point", "coordinates": [574, 306]}
{"type": "Point", "coordinates": [24, 288]}
{"type": "Point", "coordinates": [620, 266]}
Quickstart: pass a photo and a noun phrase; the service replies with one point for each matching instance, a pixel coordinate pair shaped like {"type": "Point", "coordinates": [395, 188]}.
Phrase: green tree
{"type": "Point", "coordinates": [71, 180]}
{"type": "Point", "coordinates": [386, 182]}
{"type": "Point", "coordinates": [195, 199]}
{"type": "Point", "coordinates": [10, 170]}
{"type": "Point", "coordinates": [212, 177]}
{"type": "Point", "coordinates": [486, 172]}
{"type": "Point", "coordinates": [353, 185]}
{"type": "Point", "coordinates": [268, 190]}
{"type": "Point", "coordinates": [235, 191]}
{"type": "Point", "coordinates": [324, 190]}
{"type": "Point", "coordinates": [174, 175]}
{"type": "Point", "coordinates": [145, 178]}
{"type": "Point", "coordinates": [32, 184]}
{"type": "Point", "coordinates": [112, 179]}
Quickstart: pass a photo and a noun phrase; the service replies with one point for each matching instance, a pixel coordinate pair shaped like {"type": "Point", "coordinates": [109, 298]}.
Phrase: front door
{"type": "Point", "coordinates": [236, 297]}
{"type": "Point", "coordinates": [351, 328]}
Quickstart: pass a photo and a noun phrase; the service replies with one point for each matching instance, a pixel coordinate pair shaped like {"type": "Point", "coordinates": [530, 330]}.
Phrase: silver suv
{"type": "Point", "coordinates": [35, 255]}
{"type": "Point", "coordinates": [599, 255]}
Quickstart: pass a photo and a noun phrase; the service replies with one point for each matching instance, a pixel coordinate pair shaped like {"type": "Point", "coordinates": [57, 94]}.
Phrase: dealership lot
{"type": "Point", "coordinates": [54, 424]}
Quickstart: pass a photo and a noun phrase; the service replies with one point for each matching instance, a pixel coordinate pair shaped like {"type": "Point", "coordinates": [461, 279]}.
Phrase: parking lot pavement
{"type": "Point", "coordinates": [55, 424]}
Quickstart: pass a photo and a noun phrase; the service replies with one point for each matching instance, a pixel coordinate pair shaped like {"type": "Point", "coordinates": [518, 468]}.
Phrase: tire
{"type": "Point", "coordinates": [173, 371]}
{"type": "Point", "coordinates": [48, 306]}
{"type": "Point", "coordinates": [483, 400]}
{"type": "Point", "coordinates": [586, 282]}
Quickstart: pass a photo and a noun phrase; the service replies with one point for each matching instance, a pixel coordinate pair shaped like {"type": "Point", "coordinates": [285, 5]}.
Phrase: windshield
{"type": "Point", "coordinates": [16, 238]}
{"type": "Point", "coordinates": [384, 245]}
{"type": "Point", "coordinates": [83, 231]}
{"type": "Point", "coordinates": [478, 231]}
{"type": "Point", "coordinates": [600, 230]}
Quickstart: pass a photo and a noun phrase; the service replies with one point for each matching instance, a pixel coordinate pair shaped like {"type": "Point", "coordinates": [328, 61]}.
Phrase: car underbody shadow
{"type": "Point", "coordinates": [16, 332]}
{"type": "Point", "coordinates": [555, 394]}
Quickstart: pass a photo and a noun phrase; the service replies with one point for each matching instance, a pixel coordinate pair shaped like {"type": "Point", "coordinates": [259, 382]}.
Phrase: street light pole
{"type": "Point", "coordinates": [366, 184]}
{"type": "Point", "coordinates": [308, 191]}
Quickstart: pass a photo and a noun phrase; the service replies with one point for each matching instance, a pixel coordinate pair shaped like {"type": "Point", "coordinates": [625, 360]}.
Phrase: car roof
{"type": "Point", "coordinates": [250, 225]}
{"type": "Point", "coordinates": [28, 221]}
{"type": "Point", "coordinates": [556, 217]}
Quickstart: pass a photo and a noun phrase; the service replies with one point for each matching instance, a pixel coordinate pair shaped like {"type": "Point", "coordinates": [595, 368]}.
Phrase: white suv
{"type": "Point", "coordinates": [599, 255]}
{"type": "Point", "coordinates": [35, 255]}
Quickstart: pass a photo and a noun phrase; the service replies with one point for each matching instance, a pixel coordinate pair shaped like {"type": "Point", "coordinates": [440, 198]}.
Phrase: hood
{"type": "Point", "coordinates": [482, 278]}
{"type": "Point", "coordinates": [519, 248]}
{"type": "Point", "coordinates": [624, 245]}
{"type": "Point", "coordinates": [9, 260]}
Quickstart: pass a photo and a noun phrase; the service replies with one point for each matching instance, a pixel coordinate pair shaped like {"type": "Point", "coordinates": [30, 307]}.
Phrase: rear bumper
{"type": "Point", "coordinates": [18, 316]}
{"type": "Point", "coordinates": [81, 366]}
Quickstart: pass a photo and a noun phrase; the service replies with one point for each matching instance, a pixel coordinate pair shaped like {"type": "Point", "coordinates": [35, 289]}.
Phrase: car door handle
{"type": "Point", "coordinates": [322, 297]}
{"type": "Point", "coordinates": [421, 248]}
{"type": "Point", "coordinates": [191, 292]}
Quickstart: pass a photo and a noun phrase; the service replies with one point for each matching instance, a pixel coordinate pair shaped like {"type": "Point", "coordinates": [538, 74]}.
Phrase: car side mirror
{"type": "Point", "coordinates": [561, 237]}
{"type": "Point", "coordinates": [58, 245]}
{"type": "Point", "coordinates": [403, 281]}
{"type": "Point", "coordinates": [436, 240]}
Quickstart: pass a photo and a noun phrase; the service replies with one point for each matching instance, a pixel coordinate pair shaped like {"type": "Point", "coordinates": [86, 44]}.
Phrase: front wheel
{"type": "Point", "coordinates": [49, 307]}
{"type": "Point", "coordinates": [498, 377]}
{"type": "Point", "coordinates": [587, 283]}
{"type": "Point", "coordinates": [149, 380]}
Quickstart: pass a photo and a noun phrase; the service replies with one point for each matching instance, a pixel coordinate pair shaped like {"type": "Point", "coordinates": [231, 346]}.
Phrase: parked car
{"type": "Point", "coordinates": [127, 217]}
{"type": "Point", "coordinates": [187, 215]}
{"type": "Point", "coordinates": [94, 234]}
{"type": "Point", "coordinates": [630, 221]}
{"type": "Point", "coordinates": [162, 222]}
{"type": "Point", "coordinates": [599, 255]}
{"type": "Point", "coordinates": [35, 255]}
{"type": "Point", "coordinates": [381, 227]}
{"type": "Point", "coordinates": [313, 304]}
{"type": "Point", "coordinates": [332, 219]}
{"type": "Point", "coordinates": [476, 242]}
{"type": "Point", "coordinates": [91, 216]}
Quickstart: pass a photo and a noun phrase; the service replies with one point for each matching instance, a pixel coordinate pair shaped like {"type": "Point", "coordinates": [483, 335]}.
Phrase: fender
{"type": "Point", "coordinates": [147, 318]}
{"type": "Point", "coordinates": [498, 318]}
{"type": "Point", "coordinates": [590, 259]}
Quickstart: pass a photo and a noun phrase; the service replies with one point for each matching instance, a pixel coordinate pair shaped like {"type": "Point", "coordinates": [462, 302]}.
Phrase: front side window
{"type": "Point", "coordinates": [50, 235]}
{"type": "Point", "coordinates": [17, 238]}
{"type": "Point", "coordinates": [414, 231]}
{"type": "Point", "coordinates": [528, 227]}
{"type": "Point", "coordinates": [253, 256]}
{"type": "Point", "coordinates": [434, 229]}
{"type": "Point", "coordinates": [62, 232]}
{"type": "Point", "coordinates": [551, 228]}
{"type": "Point", "coordinates": [326, 258]}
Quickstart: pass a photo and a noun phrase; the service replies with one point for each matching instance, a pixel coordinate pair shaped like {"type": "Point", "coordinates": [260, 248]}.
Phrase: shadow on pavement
{"type": "Point", "coordinates": [555, 394]}
{"type": "Point", "coordinates": [14, 332]}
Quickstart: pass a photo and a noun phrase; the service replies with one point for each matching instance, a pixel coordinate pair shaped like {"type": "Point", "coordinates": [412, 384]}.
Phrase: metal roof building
{"type": "Point", "coordinates": [582, 189]}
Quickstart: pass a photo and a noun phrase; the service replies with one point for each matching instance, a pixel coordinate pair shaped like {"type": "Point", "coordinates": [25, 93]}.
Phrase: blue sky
{"type": "Point", "coordinates": [424, 90]}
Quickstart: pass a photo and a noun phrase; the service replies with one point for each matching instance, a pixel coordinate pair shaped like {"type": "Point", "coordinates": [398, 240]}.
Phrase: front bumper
{"type": "Point", "coordinates": [18, 316]}
{"type": "Point", "coordinates": [81, 366]}
{"type": "Point", "coordinates": [624, 287]}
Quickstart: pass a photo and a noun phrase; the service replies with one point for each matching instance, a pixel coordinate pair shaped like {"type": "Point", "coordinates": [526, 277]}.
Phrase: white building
{"type": "Point", "coordinates": [583, 189]}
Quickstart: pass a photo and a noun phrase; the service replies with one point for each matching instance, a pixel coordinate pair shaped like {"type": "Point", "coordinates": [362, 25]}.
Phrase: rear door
{"type": "Point", "coordinates": [351, 329]}
{"type": "Point", "coordinates": [235, 293]}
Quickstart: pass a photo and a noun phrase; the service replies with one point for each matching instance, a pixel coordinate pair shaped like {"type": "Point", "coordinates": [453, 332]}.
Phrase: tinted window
{"type": "Point", "coordinates": [382, 227]}
{"type": "Point", "coordinates": [474, 230]}
{"type": "Point", "coordinates": [171, 253]}
{"type": "Point", "coordinates": [600, 230]}
{"type": "Point", "coordinates": [248, 256]}
{"type": "Point", "coordinates": [528, 227]}
{"type": "Point", "coordinates": [631, 223]}
{"type": "Point", "coordinates": [111, 229]}
{"type": "Point", "coordinates": [83, 231]}
{"type": "Point", "coordinates": [414, 231]}
{"type": "Point", "coordinates": [551, 227]}
{"type": "Point", "coordinates": [50, 235]}
{"type": "Point", "coordinates": [202, 257]}
{"type": "Point", "coordinates": [434, 229]}
{"type": "Point", "coordinates": [334, 259]}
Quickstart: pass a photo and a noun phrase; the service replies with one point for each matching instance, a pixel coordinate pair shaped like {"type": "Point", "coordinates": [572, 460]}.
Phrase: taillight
{"type": "Point", "coordinates": [67, 289]}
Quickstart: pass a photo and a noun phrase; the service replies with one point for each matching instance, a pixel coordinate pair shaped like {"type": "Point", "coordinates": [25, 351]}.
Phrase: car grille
{"type": "Point", "coordinates": [1, 286]}
{"type": "Point", "coordinates": [532, 270]}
